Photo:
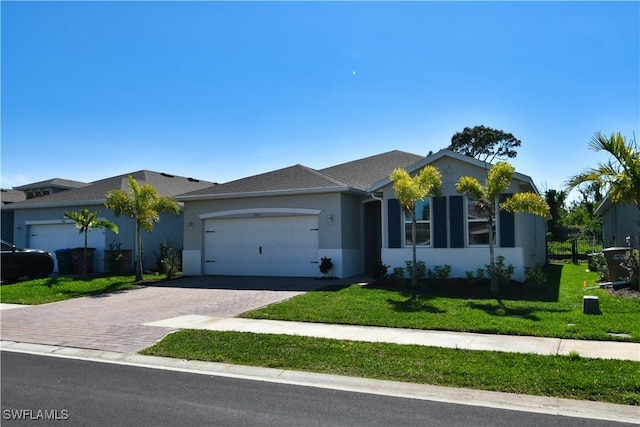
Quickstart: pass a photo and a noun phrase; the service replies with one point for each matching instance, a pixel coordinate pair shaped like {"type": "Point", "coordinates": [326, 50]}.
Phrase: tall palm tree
{"type": "Point", "coordinates": [620, 176]}
{"type": "Point", "coordinates": [408, 192]}
{"type": "Point", "coordinates": [143, 204]}
{"type": "Point", "coordinates": [484, 200]}
{"type": "Point", "coordinates": [85, 222]}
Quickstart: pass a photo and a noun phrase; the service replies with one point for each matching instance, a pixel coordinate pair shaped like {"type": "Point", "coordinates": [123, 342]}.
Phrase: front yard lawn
{"type": "Point", "coordinates": [557, 313]}
{"type": "Point", "coordinates": [53, 289]}
{"type": "Point", "coordinates": [570, 377]}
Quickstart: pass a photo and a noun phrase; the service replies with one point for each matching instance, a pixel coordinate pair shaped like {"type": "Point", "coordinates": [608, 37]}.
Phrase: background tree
{"type": "Point", "coordinates": [143, 204]}
{"type": "Point", "coordinates": [485, 199]}
{"type": "Point", "coordinates": [484, 143]}
{"type": "Point", "coordinates": [85, 222]}
{"type": "Point", "coordinates": [408, 192]}
{"type": "Point", "coordinates": [620, 176]}
{"type": "Point", "coordinates": [581, 219]}
{"type": "Point", "coordinates": [556, 201]}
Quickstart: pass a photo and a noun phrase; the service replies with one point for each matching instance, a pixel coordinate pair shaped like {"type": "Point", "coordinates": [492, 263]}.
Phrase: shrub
{"type": "Point", "coordinates": [398, 276]}
{"type": "Point", "coordinates": [476, 278]}
{"type": "Point", "coordinates": [535, 277]}
{"type": "Point", "coordinates": [326, 265]}
{"type": "Point", "coordinates": [598, 263]}
{"type": "Point", "coordinates": [441, 272]}
{"type": "Point", "coordinates": [631, 263]}
{"type": "Point", "coordinates": [170, 260]}
{"type": "Point", "coordinates": [502, 272]}
{"type": "Point", "coordinates": [421, 270]}
{"type": "Point", "coordinates": [379, 271]}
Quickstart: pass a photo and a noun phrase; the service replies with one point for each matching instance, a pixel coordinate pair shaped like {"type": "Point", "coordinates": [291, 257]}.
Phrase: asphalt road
{"type": "Point", "coordinates": [45, 390]}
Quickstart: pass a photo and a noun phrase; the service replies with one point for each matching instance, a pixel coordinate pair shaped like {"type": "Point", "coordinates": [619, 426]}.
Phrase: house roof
{"type": "Point", "coordinates": [8, 196]}
{"type": "Point", "coordinates": [524, 179]}
{"type": "Point", "coordinates": [295, 178]}
{"type": "Point", "coordinates": [366, 172]}
{"type": "Point", "coordinates": [355, 176]}
{"type": "Point", "coordinates": [54, 183]}
{"type": "Point", "coordinates": [94, 192]}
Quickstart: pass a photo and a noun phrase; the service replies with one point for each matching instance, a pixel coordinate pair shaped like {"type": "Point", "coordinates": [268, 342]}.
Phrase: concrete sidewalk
{"type": "Point", "coordinates": [468, 341]}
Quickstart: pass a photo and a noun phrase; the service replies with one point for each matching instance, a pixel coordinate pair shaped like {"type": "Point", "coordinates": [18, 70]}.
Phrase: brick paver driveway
{"type": "Point", "coordinates": [113, 321]}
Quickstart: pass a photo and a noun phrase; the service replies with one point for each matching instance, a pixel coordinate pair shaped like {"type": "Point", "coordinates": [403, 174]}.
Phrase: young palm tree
{"type": "Point", "coordinates": [408, 192]}
{"type": "Point", "coordinates": [143, 204]}
{"type": "Point", "coordinates": [85, 222]}
{"type": "Point", "coordinates": [484, 200]}
{"type": "Point", "coordinates": [620, 176]}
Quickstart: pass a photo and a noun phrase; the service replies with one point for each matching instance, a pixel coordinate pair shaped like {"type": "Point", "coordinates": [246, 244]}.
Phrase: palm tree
{"type": "Point", "coordinates": [408, 192]}
{"type": "Point", "coordinates": [620, 176]}
{"type": "Point", "coordinates": [143, 204]}
{"type": "Point", "coordinates": [484, 201]}
{"type": "Point", "coordinates": [85, 222]}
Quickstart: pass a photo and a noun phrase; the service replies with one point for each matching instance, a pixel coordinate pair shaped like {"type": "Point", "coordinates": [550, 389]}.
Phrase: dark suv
{"type": "Point", "coordinates": [18, 262]}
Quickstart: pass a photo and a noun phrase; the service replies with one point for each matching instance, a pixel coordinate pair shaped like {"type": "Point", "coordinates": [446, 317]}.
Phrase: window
{"type": "Point", "coordinates": [478, 226]}
{"type": "Point", "coordinates": [423, 224]}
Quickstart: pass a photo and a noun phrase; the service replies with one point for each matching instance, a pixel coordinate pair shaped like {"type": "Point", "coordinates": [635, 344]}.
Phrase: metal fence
{"type": "Point", "coordinates": [573, 249]}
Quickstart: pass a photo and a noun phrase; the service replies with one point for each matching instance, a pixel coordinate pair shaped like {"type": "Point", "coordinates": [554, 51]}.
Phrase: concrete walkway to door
{"type": "Point", "coordinates": [114, 321]}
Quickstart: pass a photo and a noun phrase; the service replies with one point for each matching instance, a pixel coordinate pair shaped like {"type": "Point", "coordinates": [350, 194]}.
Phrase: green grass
{"type": "Point", "coordinates": [556, 313]}
{"type": "Point", "coordinates": [569, 377]}
{"type": "Point", "coordinates": [42, 291]}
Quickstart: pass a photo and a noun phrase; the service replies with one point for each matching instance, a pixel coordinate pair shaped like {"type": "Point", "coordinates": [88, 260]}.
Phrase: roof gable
{"type": "Point", "coordinates": [523, 179]}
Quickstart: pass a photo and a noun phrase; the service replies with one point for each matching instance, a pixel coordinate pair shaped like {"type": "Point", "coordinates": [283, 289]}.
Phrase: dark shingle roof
{"type": "Point", "coordinates": [166, 185]}
{"type": "Point", "coordinates": [365, 172]}
{"type": "Point", "coordinates": [357, 175]}
{"type": "Point", "coordinates": [11, 196]}
{"type": "Point", "coordinates": [296, 177]}
{"type": "Point", "coordinates": [55, 183]}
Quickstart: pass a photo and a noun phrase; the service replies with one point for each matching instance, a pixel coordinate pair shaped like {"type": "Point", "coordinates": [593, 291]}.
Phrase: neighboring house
{"type": "Point", "coordinates": [283, 222]}
{"type": "Point", "coordinates": [52, 186]}
{"type": "Point", "coordinates": [8, 196]}
{"type": "Point", "coordinates": [39, 222]}
{"type": "Point", "coordinates": [618, 222]}
{"type": "Point", "coordinates": [24, 192]}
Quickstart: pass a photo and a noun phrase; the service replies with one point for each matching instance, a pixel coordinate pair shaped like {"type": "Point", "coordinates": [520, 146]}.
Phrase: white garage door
{"type": "Point", "coordinates": [52, 237]}
{"type": "Point", "coordinates": [266, 246]}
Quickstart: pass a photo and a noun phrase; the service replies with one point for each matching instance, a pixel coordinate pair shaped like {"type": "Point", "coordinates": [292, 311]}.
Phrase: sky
{"type": "Point", "coordinates": [224, 90]}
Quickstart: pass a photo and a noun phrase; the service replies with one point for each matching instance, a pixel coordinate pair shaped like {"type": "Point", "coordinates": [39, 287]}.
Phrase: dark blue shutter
{"type": "Point", "coordinates": [456, 221]}
{"type": "Point", "coordinates": [507, 227]}
{"type": "Point", "coordinates": [439, 222]}
{"type": "Point", "coordinates": [394, 224]}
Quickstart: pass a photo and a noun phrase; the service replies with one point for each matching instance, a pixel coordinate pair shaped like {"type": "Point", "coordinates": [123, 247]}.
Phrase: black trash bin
{"type": "Point", "coordinates": [78, 260]}
{"type": "Point", "coordinates": [65, 262]}
{"type": "Point", "coordinates": [615, 257]}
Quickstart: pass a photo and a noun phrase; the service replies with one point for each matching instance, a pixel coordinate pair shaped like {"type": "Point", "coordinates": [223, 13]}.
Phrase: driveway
{"type": "Point", "coordinates": [114, 321]}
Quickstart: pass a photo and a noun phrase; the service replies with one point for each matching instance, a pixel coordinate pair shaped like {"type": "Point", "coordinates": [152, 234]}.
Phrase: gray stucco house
{"type": "Point", "coordinates": [39, 222]}
{"type": "Point", "coordinates": [283, 222]}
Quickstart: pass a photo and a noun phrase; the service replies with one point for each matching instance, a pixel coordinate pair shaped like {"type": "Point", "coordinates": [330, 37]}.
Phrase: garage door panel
{"type": "Point", "coordinates": [51, 237]}
{"type": "Point", "coordinates": [272, 246]}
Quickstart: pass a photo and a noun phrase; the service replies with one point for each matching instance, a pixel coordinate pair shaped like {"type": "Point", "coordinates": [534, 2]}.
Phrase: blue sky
{"type": "Point", "coordinates": [220, 91]}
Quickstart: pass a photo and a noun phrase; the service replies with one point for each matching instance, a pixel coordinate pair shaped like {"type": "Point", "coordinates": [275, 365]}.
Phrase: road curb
{"type": "Point", "coordinates": [498, 400]}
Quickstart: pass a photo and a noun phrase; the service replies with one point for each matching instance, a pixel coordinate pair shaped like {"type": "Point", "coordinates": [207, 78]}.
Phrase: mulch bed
{"type": "Point", "coordinates": [626, 292]}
